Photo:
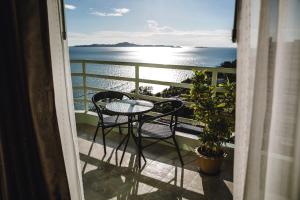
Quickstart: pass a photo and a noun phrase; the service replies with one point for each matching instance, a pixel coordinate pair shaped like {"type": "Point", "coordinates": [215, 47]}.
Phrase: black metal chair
{"type": "Point", "coordinates": [110, 121]}
{"type": "Point", "coordinates": [154, 127]}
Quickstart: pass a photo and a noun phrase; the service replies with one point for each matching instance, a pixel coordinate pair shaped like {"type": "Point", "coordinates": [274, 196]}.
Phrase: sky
{"type": "Point", "coordinates": [161, 22]}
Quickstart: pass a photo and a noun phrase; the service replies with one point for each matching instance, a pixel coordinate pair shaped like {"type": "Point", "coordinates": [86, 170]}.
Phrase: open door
{"type": "Point", "coordinates": [63, 97]}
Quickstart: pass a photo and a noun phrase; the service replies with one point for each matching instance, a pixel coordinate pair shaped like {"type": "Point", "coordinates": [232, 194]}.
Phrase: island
{"type": "Point", "coordinates": [124, 44]}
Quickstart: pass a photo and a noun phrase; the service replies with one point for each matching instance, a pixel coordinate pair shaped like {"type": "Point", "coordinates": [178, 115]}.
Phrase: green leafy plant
{"type": "Point", "coordinates": [145, 90]}
{"type": "Point", "coordinates": [215, 111]}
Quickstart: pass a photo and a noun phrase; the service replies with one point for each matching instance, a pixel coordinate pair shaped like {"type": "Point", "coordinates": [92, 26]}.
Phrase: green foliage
{"type": "Point", "coordinates": [215, 110]}
{"type": "Point", "coordinates": [145, 90]}
{"type": "Point", "coordinates": [172, 92]}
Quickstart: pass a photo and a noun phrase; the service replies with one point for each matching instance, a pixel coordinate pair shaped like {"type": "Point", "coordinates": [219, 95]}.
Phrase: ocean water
{"type": "Point", "coordinates": [208, 57]}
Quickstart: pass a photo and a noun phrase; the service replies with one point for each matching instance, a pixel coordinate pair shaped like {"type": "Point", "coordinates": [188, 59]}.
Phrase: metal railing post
{"type": "Point", "coordinates": [137, 79]}
{"type": "Point", "coordinates": [214, 79]}
{"type": "Point", "coordinates": [84, 87]}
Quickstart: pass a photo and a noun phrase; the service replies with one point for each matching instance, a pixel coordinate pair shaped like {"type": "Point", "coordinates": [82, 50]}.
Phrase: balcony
{"type": "Point", "coordinates": [162, 177]}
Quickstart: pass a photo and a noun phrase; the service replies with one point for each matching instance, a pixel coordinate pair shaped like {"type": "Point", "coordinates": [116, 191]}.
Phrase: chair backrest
{"type": "Point", "coordinates": [166, 108]}
{"type": "Point", "coordinates": [106, 97]}
{"type": "Point", "coordinates": [169, 107]}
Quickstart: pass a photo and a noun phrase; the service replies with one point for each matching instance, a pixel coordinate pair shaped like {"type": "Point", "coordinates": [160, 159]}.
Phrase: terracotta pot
{"type": "Point", "coordinates": [208, 165]}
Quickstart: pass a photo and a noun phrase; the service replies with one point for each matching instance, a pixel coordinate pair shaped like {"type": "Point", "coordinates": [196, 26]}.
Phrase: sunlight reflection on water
{"type": "Point", "coordinates": [161, 55]}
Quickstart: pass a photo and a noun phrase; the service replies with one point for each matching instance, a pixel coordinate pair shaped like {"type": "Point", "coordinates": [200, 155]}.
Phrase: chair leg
{"type": "Point", "coordinates": [104, 144]}
{"type": "Point", "coordinates": [124, 149]}
{"type": "Point", "coordinates": [95, 135]}
{"type": "Point", "coordinates": [143, 155]}
{"type": "Point", "coordinates": [121, 143]}
{"type": "Point", "coordinates": [120, 130]}
{"type": "Point", "coordinates": [136, 143]}
{"type": "Point", "coordinates": [140, 151]}
{"type": "Point", "coordinates": [178, 151]}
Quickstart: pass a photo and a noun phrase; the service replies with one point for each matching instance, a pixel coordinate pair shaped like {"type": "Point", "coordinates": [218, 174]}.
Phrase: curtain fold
{"type": "Point", "coordinates": [268, 113]}
{"type": "Point", "coordinates": [31, 159]}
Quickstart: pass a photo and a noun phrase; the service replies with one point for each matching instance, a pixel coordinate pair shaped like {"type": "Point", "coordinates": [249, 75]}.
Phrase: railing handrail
{"type": "Point", "coordinates": [155, 65]}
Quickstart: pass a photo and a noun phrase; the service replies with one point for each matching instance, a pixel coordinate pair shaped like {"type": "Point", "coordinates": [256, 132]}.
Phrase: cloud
{"type": "Point", "coordinates": [121, 10]}
{"type": "Point", "coordinates": [154, 27]}
{"type": "Point", "coordinates": [98, 13]}
{"type": "Point", "coordinates": [118, 12]}
{"type": "Point", "coordinates": [70, 7]}
{"type": "Point", "coordinates": [156, 34]}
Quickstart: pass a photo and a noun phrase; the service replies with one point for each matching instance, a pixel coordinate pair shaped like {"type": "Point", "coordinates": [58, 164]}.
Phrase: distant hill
{"type": "Point", "coordinates": [203, 47]}
{"type": "Point", "coordinates": [124, 44]}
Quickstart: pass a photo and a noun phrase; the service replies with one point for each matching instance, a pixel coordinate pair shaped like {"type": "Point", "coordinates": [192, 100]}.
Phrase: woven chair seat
{"type": "Point", "coordinates": [155, 130]}
{"type": "Point", "coordinates": [115, 120]}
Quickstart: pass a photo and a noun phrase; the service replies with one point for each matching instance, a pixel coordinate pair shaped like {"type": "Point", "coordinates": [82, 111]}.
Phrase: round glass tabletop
{"type": "Point", "coordinates": [129, 106]}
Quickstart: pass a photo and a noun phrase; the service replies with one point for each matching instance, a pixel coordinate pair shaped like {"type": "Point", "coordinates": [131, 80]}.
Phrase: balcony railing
{"type": "Point", "coordinates": [215, 71]}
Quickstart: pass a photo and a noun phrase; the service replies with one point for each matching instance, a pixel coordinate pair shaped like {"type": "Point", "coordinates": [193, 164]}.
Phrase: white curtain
{"type": "Point", "coordinates": [267, 153]}
{"type": "Point", "coordinates": [64, 99]}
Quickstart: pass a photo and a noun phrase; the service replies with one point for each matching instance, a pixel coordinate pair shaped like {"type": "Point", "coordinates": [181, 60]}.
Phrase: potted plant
{"type": "Point", "coordinates": [215, 112]}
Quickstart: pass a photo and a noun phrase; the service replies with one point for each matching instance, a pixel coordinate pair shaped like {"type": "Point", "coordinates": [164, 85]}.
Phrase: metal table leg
{"type": "Point", "coordinates": [137, 141]}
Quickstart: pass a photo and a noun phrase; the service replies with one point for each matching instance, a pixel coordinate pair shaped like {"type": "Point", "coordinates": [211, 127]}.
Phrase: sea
{"type": "Point", "coordinates": [192, 56]}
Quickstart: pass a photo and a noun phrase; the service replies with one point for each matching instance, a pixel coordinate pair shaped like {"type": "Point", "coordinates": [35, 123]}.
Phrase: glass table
{"type": "Point", "coordinates": [130, 108]}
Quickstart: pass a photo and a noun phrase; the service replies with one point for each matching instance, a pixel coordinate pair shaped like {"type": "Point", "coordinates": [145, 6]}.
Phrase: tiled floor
{"type": "Point", "coordinates": [161, 178]}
